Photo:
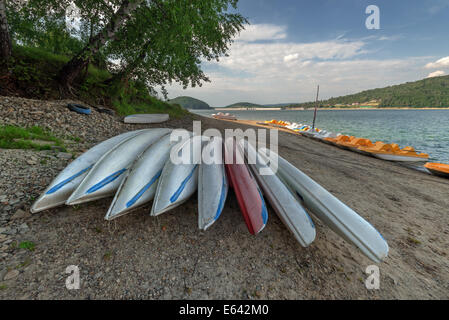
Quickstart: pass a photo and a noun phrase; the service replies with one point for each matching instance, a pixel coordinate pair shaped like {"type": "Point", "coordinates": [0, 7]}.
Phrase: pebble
{"type": "Point", "coordinates": [11, 275]}
{"type": "Point", "coordinates": [24, 228]}
{"type": "Point", "coordinates": [64, 155]}
{"type": "Point", "coordinates": [20, 214]}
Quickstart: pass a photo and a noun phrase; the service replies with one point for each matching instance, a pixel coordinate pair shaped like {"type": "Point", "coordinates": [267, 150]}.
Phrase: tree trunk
{"type": "Point", "coordinates": [5, 39]}
{"type": "Point", "coordinates": [74, 67]}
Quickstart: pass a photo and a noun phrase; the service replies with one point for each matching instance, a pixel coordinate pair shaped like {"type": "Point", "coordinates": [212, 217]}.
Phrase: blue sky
{"type": "Point", "coordinates": [291, 46]}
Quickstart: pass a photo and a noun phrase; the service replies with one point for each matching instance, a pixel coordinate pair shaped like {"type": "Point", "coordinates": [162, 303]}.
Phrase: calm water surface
{"type": "Point", "coordinates": [425, 130]}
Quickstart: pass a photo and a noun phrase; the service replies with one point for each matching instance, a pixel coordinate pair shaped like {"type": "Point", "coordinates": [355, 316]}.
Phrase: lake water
{"type": "Point", "coordinates": [425, 130]}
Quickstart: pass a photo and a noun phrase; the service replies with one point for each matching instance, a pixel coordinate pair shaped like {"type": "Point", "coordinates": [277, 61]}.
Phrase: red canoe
{"type": "Point", "coordinates": [248, 194]}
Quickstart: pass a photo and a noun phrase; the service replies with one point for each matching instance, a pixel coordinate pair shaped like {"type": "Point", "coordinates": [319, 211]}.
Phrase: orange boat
{"type": "Point", "coordinates": [438, 169]}
{"type": "Point", "coordinates": [392, 152]}
{"type": "Point", "coordinates": [339, 139]}
{"type": "Point", "coordinates": [355, 143]}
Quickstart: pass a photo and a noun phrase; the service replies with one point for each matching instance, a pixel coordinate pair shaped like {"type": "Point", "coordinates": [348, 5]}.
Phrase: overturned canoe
{"type": "Point", "coordinates": [247, 192]}
{"type": "Point", "coordinates": [146, 118]}
{"type": "Point", "coordinates": [284, 202]}
{"type": "Point", "coordinates": [178, 180]}
{"type": "Point", "coordinates": [139, 185]}
{"type": "Point", "coordinates": [68, 180]}
{"type": "Point", "coordinates": [212, 184]}
{"type": "Point", "coordinates": [106, 175]}
{"type": "Point", "coordinates": [334, 213]}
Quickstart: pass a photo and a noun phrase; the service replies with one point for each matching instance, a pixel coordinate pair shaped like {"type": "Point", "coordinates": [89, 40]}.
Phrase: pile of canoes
{"type": "Point", "coordinates": [147, 165]}
{"type": "Point", "coordinates": [378, 149]}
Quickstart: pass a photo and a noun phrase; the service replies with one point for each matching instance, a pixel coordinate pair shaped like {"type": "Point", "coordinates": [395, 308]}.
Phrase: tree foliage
{"type": "Point", "coordinates": [156, 42]}
{"type": "Point", "coordinates": [431, 92]}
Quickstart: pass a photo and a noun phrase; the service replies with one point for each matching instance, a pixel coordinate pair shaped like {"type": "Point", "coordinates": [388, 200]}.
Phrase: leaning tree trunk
{"type": "Point", "coordinates": [74, 67]}
{"type": "Point", "coordinates": [5, 39]}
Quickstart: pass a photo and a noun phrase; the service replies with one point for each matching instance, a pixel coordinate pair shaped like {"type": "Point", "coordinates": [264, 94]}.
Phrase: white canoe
{"type": "Point", "coordinates": [105, 176]}
{"type": "Point", "coordinates": [334, 213]}
{"type": "Point", "coordinates": [68, 180]}
{"type": "Point", "coordinates": [399, 158]}
{"type": "Point", "coordinates": [283, 201]}
{"type": "Point", "coordinates": [212, 184]}
{"type": "Point", "coordinates": [146, 118]}
{"type": "Point", "coordinates": [139, 185]}
{"type": "Point", "coordinates": [225, 116]}
{"type": "Point", "coordinates": [178, 182]}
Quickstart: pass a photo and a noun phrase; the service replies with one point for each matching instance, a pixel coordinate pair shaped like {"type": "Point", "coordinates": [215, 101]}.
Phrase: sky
{"type": "Point", "coordinates": [291, 46]}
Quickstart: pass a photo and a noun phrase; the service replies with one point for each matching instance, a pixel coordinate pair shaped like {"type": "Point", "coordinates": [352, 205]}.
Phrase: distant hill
{"type": "Point", "coordinates": [255, 105]}
{"type": "Point", "coordinates": [189, 103]}
{"type": "Point", "coordinates": [279, 105]}
{"type": "Point", "coordinates": [430, 92]}
{"type": "Point", "coordinates": [244, 105]}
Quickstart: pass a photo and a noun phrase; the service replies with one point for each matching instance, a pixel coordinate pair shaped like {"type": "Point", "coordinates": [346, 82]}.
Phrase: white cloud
{"type": "Point", "coordinates": [438, 73]}
{"type": "Point", "coordinates": [257, 32]}
{"type": "Point", "coordinates": [284, 71]}
{"type": "Point", "coordinates": [442, 63]}
{"type": "Point", "coordinates": [291, 57]}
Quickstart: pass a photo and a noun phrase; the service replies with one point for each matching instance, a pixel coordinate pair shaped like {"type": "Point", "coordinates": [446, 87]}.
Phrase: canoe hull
{"type": "Point", "coordinates": [212, 185]}
{"type": "Point", "coordinates": [335, 214]}
{"type": "Point", "coordinates": [106, 175]}
{"type": "Point", "coordinates": [69, 179]}
{"type": "Point", "coordinates": [139, 186]}
{"type": "Point", "coordinates": [249, 197]}
{"type": "Point", "coordinates": [284, 202]}
{"type": "Point", "coordinates": [146, 118]}
{"type": "Point", "coordinates": [178, 182]}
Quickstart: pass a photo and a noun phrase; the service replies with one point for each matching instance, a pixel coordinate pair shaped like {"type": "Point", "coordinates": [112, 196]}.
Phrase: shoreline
{"type": "Point", "coordinates": [167, 257]}
{"type": "Point", "coordinates": [339, 109]}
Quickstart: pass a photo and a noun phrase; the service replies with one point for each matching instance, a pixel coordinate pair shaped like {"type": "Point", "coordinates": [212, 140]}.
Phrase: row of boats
{"type": "Point", "coordinates": [139, 166]}
{"type": "Point", "coordinates": [378, 149]}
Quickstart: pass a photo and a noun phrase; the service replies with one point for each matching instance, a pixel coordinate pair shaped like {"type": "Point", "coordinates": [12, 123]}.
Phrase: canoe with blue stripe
{"type": "Point", "coordinates": [179, 178]}
{"type": "Point", "coordinates": [139, 186]}
{"type": "Point", "coordinates": [284, 202]}
{"type": "Point", "coordinates": [212, 184]}
{"type": "Point", "coordinates": [68, 180]}
{"type": "Point", "coordinates": [249, 197]}
{"type": "Point", "coordinates": [106, 175]}
{"type": "Point", "coordinates": [331, 211]}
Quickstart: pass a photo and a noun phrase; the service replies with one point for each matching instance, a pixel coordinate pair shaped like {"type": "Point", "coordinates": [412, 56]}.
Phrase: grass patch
{"type": "Point", "coordinates": [3, 286]}
{"type": "Point", "coordinates": [414, 241]}
{"type": "Point", "coordinates": [14, 137]}
{"type": "Point", "coordinates": [28, 245]}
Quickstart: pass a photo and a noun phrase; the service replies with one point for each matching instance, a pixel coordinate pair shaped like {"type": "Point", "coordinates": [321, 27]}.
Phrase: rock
{"type": "Point", "coordinates": [3, 237]}
{"type": "Point", "coordinates": [11, 231]}
{"type": "Point", "coordinates": [20, 214]}
{"type": "Point", "coordinates": [64, 155]}
{"type": "Point", "coordinates": [31, 162]}
{"type": "Point", "coordinates": [11, 275]}
{"type": "Point", "coordinates": [23, 228]}
{"type": "Point", "coordinates": [14, 201]}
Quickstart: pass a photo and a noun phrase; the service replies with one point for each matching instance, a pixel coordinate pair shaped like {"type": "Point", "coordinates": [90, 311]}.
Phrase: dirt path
{"type": "Point", "coordinates": [138, 256]}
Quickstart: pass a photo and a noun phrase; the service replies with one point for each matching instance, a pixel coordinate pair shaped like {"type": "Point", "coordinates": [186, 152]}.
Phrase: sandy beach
{"type": "Point", "coordinates": [167, 257]}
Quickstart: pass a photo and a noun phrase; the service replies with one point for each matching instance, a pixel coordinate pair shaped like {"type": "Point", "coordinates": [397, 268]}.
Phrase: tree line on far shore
{"type": "Point", "coordinates": [430, 92]}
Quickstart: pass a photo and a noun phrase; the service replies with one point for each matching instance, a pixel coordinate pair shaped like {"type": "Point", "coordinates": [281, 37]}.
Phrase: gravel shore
{"type": "Point", "coordinates": [167, 257]}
